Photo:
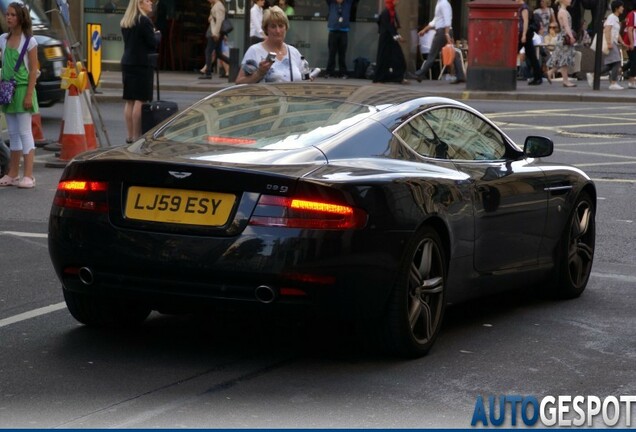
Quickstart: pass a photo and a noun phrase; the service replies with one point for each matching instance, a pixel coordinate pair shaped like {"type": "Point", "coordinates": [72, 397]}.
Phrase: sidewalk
{"type": "Point", "coordinates": [110, 89]}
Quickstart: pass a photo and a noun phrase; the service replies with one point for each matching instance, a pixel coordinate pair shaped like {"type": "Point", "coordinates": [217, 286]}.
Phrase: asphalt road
{"type": "Point", "coordinates": [261, 371]}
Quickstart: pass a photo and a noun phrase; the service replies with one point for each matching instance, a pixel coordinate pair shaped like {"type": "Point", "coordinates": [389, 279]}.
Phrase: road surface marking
{"type": "Point", "coordinates": [24, 234]}
{"type": "Point", "coordinates": [31, 314]}
{"type": "Point", "coordinates": [607, 180]}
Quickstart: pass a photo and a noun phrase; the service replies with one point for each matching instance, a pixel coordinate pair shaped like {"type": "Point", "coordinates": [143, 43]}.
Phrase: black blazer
{"type": "Point", "coordinates": [139, 41]}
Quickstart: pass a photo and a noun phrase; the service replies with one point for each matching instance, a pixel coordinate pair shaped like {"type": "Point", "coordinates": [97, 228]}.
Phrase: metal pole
{"type": "Point", "coordinates": [598, 31]}
{"type": "Point", "coordinates": [246, 25]}
{"type": "Point", "coordinates": [234, 65]}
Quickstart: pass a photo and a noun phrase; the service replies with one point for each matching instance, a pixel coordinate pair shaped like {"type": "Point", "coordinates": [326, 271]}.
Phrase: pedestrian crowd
{"type": "Point", "coordinates": [550, 46]}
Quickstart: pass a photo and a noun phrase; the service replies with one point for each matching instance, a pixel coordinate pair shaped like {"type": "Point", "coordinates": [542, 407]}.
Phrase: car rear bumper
{"type": "Point", "coordinates": [49, 91]}
{"type": "Point", "coordinates": [329, 271]}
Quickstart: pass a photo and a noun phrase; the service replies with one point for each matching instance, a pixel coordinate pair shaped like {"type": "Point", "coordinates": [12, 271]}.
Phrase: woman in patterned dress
{"type": "Point", "coordinates": [563, 55]}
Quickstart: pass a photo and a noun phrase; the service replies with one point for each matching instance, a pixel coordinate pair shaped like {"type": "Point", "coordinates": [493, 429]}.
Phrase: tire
{"type": "Point", "coordinates": [576, 249]}
{"type": "Point", "coordinates": [417, 302]}
{"type": "Point", "coordinates": [104, 312]}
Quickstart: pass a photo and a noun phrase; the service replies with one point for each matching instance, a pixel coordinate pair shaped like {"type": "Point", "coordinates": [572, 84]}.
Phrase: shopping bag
{"type": "Point", "coordinates": [603, 47]}
{"type": "Point", "coordinates": [448, 54]}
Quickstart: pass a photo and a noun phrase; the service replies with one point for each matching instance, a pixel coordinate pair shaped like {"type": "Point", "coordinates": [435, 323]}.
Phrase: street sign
{"type": "Point", "coordinates": [94, 55]}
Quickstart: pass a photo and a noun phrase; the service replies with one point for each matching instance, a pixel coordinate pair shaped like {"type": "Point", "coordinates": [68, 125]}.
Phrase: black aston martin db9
{"type": "Point", "coordinates": [375, 203]}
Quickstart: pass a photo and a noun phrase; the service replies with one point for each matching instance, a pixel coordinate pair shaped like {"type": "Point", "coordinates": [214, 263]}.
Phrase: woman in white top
{"type": "Point", "coordinates": [286, 65]}
{"type": "Point", "coordinates": [611, 31]}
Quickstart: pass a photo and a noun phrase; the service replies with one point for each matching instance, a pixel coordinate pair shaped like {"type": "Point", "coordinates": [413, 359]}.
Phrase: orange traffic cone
{"type": "Point", "coordinates": [36, 128]}
{"type": "Point", "coordinates": [73, 138]}
{"type": "Point", "coordinates": [89, 127]}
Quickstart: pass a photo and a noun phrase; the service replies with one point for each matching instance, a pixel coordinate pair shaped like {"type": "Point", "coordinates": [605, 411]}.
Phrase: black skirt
{"type": "Point", "coordinates": [138, 82]}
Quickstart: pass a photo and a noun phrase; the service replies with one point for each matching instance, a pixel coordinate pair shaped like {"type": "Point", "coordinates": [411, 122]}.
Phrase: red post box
{"type": "Point", "coordinates": [493, 36]}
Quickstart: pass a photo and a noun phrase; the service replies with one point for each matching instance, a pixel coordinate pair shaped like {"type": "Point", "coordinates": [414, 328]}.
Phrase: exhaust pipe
{"type": "Point", "coordinates": [86, 276]}
{"type": "Point", "coordinates": [265, 294]}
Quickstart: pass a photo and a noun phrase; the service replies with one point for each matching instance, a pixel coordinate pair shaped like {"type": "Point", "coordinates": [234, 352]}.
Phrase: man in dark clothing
{"type": "Point", "coordinates": [338, 24]}
{"type": "Point", "coordinates": [527, 28]}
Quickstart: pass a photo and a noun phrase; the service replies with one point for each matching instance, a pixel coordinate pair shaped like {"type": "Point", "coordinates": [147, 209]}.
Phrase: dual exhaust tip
{"type": "Point", "coordinates": [85, 275]}
{"type": "Point", "coordinates": [263, 293]}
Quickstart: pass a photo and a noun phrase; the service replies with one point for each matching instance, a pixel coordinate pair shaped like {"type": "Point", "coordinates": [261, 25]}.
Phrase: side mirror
{"type": "Point", "coordinates": [538, 147]}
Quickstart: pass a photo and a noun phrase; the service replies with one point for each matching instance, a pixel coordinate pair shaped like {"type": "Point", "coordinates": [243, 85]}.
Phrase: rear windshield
{"type": "Point", "coordinates": [263, 121]}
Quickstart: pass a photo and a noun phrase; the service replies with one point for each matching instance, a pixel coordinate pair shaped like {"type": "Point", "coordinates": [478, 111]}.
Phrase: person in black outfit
{"type": "Point", "coordinates": [338, 24]}
{"type": "Point", "coordinates": [527, 28]}
{"type": "Point", "coordinates": [140, 40]}
{"type": "Point", "coordinates": [390, 62]}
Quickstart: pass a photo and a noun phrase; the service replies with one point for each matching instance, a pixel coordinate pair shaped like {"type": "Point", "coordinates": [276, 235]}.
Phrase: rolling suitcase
{"type": "Point", "coordinates": [154, 112]}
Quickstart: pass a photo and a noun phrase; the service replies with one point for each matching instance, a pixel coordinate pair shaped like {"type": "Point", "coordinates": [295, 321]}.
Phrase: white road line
{"type": "Point", "coordinates": [598, 180]}
{"type": "Point", "coordinates": [605, 155]}
{"type": "Point", "coordinates": [620, 277]}
{"type": "Point", "coordinates": [31, 314]}
{"type": "Point", "coordinates": [605, 163]}
{"type": "Point", "coordinates": [24, 234]}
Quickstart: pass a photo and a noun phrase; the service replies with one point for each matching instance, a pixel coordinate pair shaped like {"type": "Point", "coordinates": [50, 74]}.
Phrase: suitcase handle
{"type": "Point", "coordinates": [153, 59]}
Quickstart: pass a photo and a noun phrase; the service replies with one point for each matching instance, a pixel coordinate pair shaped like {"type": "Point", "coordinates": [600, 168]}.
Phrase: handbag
{"type": "Point", "coordinates": [448, 54]}
{"type": "Point", "coordinates": [604, 48]}
{"type": "Point", "coordinates": [7, 87]}
{"type": "Point", "coordinates": [226, 26]}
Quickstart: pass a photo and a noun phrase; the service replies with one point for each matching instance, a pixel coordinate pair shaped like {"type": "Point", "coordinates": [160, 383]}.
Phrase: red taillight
{"type": "Point", "coordinates": [82, 195]}
{"type": "Point", "coordinates": [230, 140]}
{"type": "Point", "coordinates": [310, 278]}
{"type": "Point", "coordinates": [292, 292]}
{"type": "Point", "coordinates": [302, 213]}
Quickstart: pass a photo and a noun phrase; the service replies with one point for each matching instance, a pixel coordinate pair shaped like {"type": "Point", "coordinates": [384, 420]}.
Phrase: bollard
{"type": "Point", "coordinates": [234, 65]}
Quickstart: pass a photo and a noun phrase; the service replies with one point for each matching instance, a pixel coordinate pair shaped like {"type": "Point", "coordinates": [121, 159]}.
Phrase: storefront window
{"type": "Point", "coordinates": [108, 13]}
{"type": "Point", "coordinates": [177, 18]}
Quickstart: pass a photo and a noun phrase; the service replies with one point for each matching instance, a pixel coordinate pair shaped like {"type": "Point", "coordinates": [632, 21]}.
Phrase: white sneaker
{"type": "Point", "coordinates": [631, 86]}
{"type": "Point", "coordinates": [590, 79]}
{"type": "Point", "coordinates": [616, 87]}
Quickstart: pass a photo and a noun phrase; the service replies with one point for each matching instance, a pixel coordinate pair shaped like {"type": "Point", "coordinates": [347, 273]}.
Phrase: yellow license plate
{"type": "Point", "coordinates": [52, 52]}
{"type": "Point", "coordinates": [179, 206]}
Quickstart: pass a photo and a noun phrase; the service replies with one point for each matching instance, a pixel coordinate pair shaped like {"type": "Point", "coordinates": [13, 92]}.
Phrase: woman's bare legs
{"type": "Point", "coordinates": [566, 79]}
{"type": "Point", "coordinates": [136, 115]}
{"type": "Point", "coordinates": [132, 115]}
{"type": "Point", "coordinates": [128, 117]}
{"type": "Point", "coordinates": [14, 163]}
{"type": "Point", "coordinates": [28, 163]}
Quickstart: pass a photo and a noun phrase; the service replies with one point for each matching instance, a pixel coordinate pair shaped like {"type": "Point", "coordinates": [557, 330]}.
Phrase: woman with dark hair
{"type": "Point", "coordinates": [390, 62]}
{"type": "Point", "coordinates": [136, 66]}
{"type": "Point", "coordinates": [18, 112]}
{"type": "Point", "coordinates": [611, 35]}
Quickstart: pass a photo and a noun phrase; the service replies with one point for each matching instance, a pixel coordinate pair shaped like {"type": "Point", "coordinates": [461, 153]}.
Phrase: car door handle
{"type": "Point", "coordinates": [558, 189]}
